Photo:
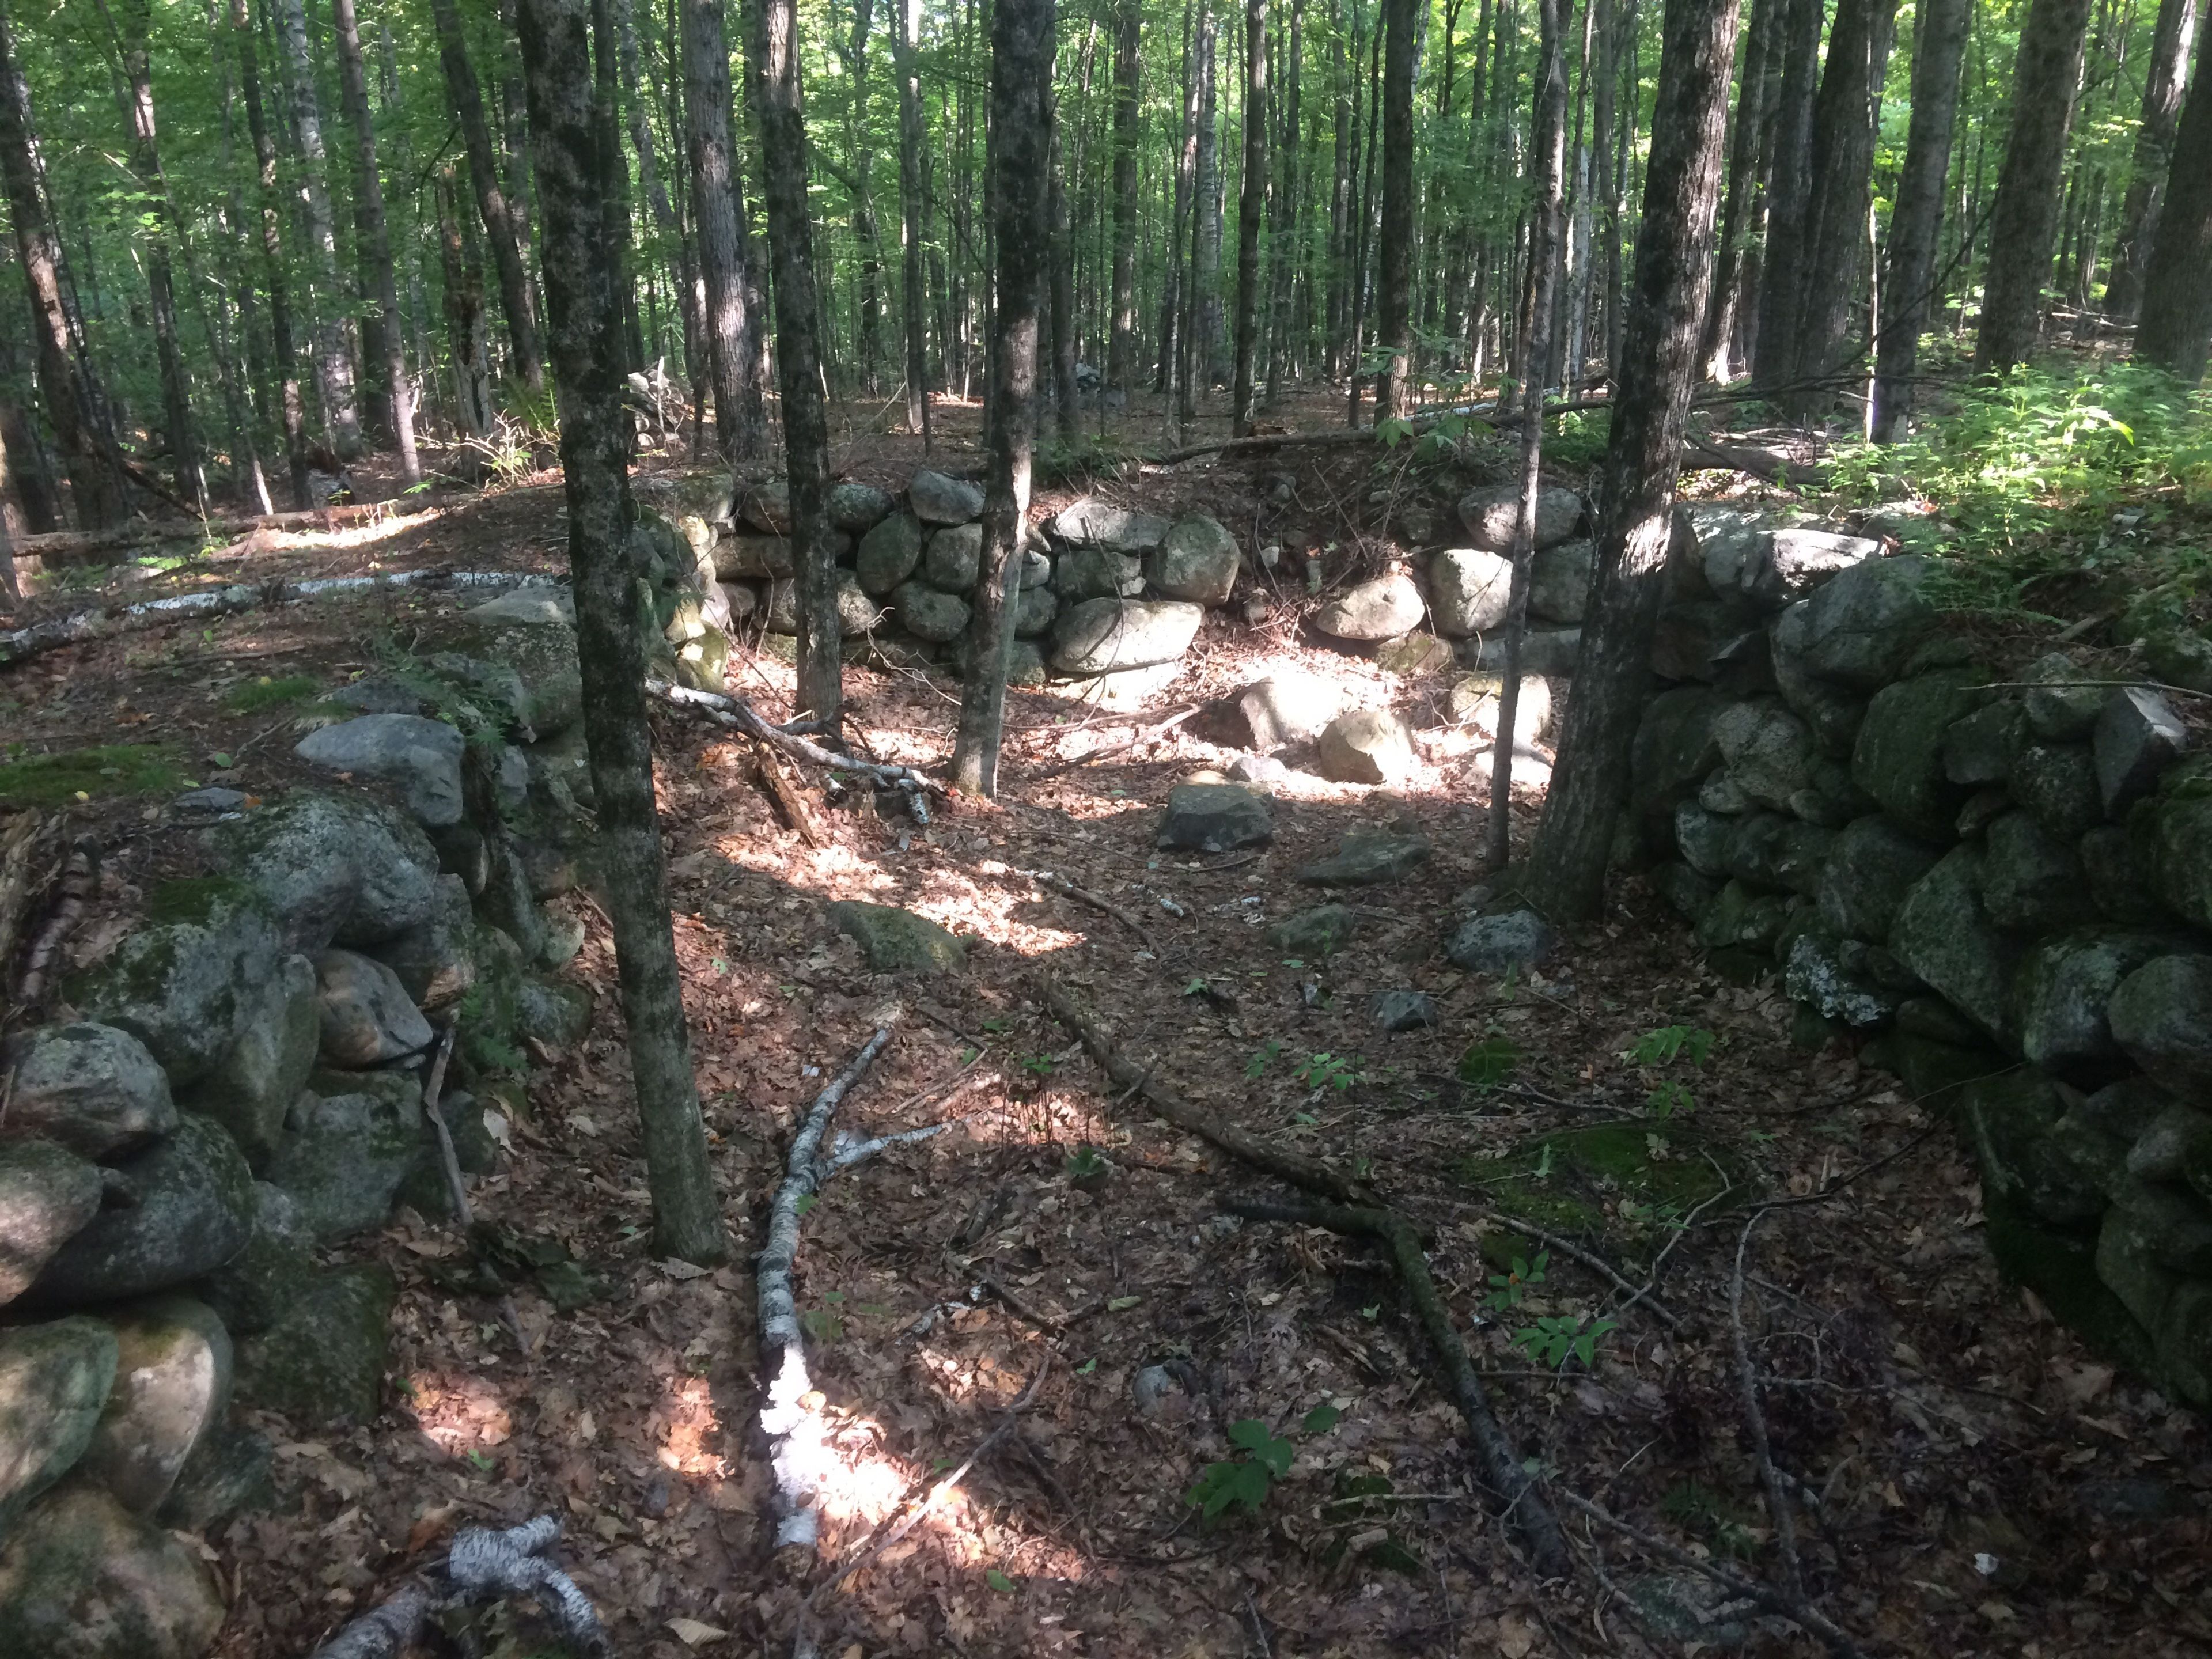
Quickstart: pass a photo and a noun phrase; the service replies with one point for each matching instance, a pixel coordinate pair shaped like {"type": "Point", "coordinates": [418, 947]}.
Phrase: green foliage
{"type": "Point", "coordinates": [1327, 1070]}
{"type": "Point", "coordinates": [1244, 1483]}
{"type": "Point", "coordinates": [1262, 1057]}
{"type": "Point", "coordinates": [1506, 1289]}
{"type": "Point", "coordinates": [1555, 1340]}
{"type": "Point", "coordinates": [250, 697]}
{"type": "Point", "coordinates": [1489, 1063]}
{"type": "Point", "coordinates": [1664, 1045]}
{"type": "Point", "coordinates": [1037, 1065]}
{"type": "Point", "coordinates": [1697, 1507]}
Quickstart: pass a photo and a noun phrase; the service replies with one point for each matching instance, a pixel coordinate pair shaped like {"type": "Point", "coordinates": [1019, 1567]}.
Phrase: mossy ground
{"type": "Point", "coordinates": [99, 772]}
{"type": "Point", "coordinates": [250, 695]}
{"type": "Point", "coordinates": [1620, 1181]}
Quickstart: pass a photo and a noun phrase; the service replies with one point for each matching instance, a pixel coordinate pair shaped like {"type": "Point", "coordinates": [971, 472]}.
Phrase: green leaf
{"type": "Point", "coordinates": [1121, 1304]}
{"type": "Point", "coordinates": [1242, 1485]}
{"type": "Point", "coordinates": [999, 1580]}
{"type": "Point", "coordinates": [1320, 1419]}
{"type": "Point", "coordinates": [1087, 1366]}
{"type": "Point", "coordinates": [807, 1201]}
{"type": "Point", "coordinates": [1489, 1063]}
{"type": "Point", "coordinates": [1257, 1439]}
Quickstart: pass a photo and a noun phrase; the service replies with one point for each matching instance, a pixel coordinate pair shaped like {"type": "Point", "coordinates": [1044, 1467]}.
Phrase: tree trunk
{"type": "Point", "coordinates": [1251, 207]}
{"type": "Point", "coordinates": [912, 211]}
{"type": "Point", "coordinates": [1356, 230]}
{"type": "Point", "coordinates": [466, 96]}
{"type": "Point", "coordinates": [852, 49]}
{"type": "Point", "coordinates": [467, 334]}
{"type": "Point", "coordinates": [1210, 357]}
{"type": "Point", "coordinates": [1788, 196]}
{"type": "Point", "coordinates": [1394, 258]}
{"type": "Point", "coordinates": [1742, 182]}
{"type": "Point", "coordinates": [1171, 284]}
{"type": "Point", "coordinates": [1916, 223]}
{"type": "Point", "coordinates": [334, 367]}
{"type": "Point", "coordinates": [382, 344]}
{"type": "Point", "coordinates": [1658, 370]}
{"type": "Point", "coordinates": [1122, 349]}
{"type": "Point", "coordinates": [1021, 90]}
{"type": "Point", "coordinates": [1344, 83]}
{"type": "Point", "coordinates": [576, 149]}
{"type": "Point", "coordinates": [732, 352]}
{"type": "Point", "coordinates": [1549, 164]}
{"type": "Point", "coordinates": [1842, 175]}
{"type": "Point", "coordinates": [2177, 310]}
{"type": "Point", "coordinates": [67, 393]}
{"type": "Point", "coordinates": [797, 356]}
{"type": "Point", "coordinates": [272, 248]}
{"type": "Point", "coordinates": [1062, 284]}
{"type": "Point", "coordinates": [2024, 217]}
{"type": "Point", "coordinates": [1283, 253]}
{"type": "Point", "coordinates": [656, 189]}
{"type": "Point", "coordinates": [2163, 82]}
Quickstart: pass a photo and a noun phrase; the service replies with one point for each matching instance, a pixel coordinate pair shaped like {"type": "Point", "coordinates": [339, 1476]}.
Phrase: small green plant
{"type": "Point", "coordinates": [823, 1323]}
{"type": "Point", "coordinates": [250, 697]}
{"type": "Point", "coordinates": [1327, 1070]}
{"type": "Point", "coordinates": [1037, 1065]}
{"type": "Point", "coordinates": [1664, 1045]}
{"type": "Point", "coordinates": [1698, 1507]}
{"type": "Point", "coordinates": [1489, 1063]}
{"type": "Point", "coordinates": [1671, 1096]}
{"type": "Point", "coordinates": [1244, 1483]}
{"type": "Point", "coordinates": [1555, 1338]}
{"type": "Point", "coordinates": [1506, 1289]}
{"type": "Point", "coordinates": [1087, 1169]}
{"type": "Point", "coordinates": [1262, 1058]}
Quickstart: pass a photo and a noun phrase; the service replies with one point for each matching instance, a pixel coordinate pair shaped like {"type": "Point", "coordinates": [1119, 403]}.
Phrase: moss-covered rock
{"type": "Point", "coordinates": [251, 1291]}
{"type": "Point", "coordinates": [1871, 865]}
{"type": "Point", "coordinates": [1944, 935]}
{"type": "Point", "coordinates": [1624, 1179]}
{"type": "Point", "coordinates": [2032, 882]}
{"type": "Point", "coordinates": [2062, 1268]}
{"type": "Point", "coordinates": [1312, 934]}
{"type": "Point", "coordinates": [253, 1086]}
{"type": "Point", "coordinates": [2056, 783]}
{"type": "Point", "coordinates": [185, 983]}
{"type": "Point", "coordinates": [47, 1195]}
{"type": "Point", "coordinates": [2172, 835]}
{"type": "Point", "coordinates": [343, 1157]}
{"type": "Point", "coordinates": [339, 869]}
{"type": "Point", "coordinates": [54, 1378]}
{"type": "Point", "coordinates": [2010, 1119]}
{"type": "Point", "coordinates": [192, 1212]}
{"type": "Point", "coordinates": [2065, 986]}
{"type": "Point", "coordinates": [83, 1578]}
{"type": "Point", "coordinates": [322, 1362]}
{"type": "Point", "coordinates": [1898, 757]}
{"type": "Point", "coordinates": [897, 941]}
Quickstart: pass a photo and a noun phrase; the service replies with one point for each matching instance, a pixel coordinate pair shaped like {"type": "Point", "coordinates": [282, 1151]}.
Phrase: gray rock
{"type": "Point", "coordinates": [528, 671]}
{"type": "Point", "coordinates": [1473, 701]}
{"type": "Point", "coordinates": [340, 868]}
{"type": "Point", "coordinates": [251, 1291]}
{"type": "Point", "coordinates": [1515, 939]}
{"type": "Point", "coordinates": [527, 607]}
{"type": "Point", "coordinates": [1312, 934]}
{"type": "Point", "coordinates": [173, 1379]}
{"type": "Point", "coordinates": [86, 1579]}
{"type": "Point", "coordinates": [191, 1210]}
{"type": "Point", "coordinates": [952, 556]}
{"type": "Point", "coordinates": [1403, 1011]}
{"type": "Point", "coordinates": [1215, 818]}
{"type": "Point", "coordinates": [1033, 613]}
{"type": "Point", "coordinates": [1366, 745]}
{"type": "Point", "coordinates": [1690, 894]}
{"type": "Point", "coordinates": [1100, 637]}
{"type": "Point", "coordinates": [1559, 580]}
{"type": "Point", "coordinates": [342, 1158]}
{"type": "Point", "coordinates": [1256, 768]}
{"type": "Point", "coordinates": [2179, 657]}
{"type": "Point", "coordinates": [436, 960]}
{"type": "Point", "coordinates": [1861, 628]}
{"type": "Point", "coordinates": [366, 1015]}
{"type": "Point", "coordinates": [2010, 1119]}
{"type": "Point", "coordinates": [1098, 573]}
{"type": "Point", "coordinates": [1026, 663]}
{"type": "Point", "coordinates": [1695, 639]}
{"type": "Point", "coordinates": [1366, 857]}
{"type": "Point", "coordinates": [1943, 934]}
{"type": "Point", "coordinates": [1285, 708]}
{"type": "Point", "coordinates": [930, 615]}
{"type": "Point", "coordinates": [1683, 1607]}
{"type": "Point", "coordinates": [53, 1380]}
{"type": "Point", "coordinates": [48, 1194]}
{"type": "Point", "coordinates": [185, 984]}
{"type": "Point", "coordinates": [1380, 608]}
{"type": "Point", "coordinates": [1490, 515]}
{"type": "Point", "coordinates": [2126, 1108]}
{"type": "Point", "coordinates": [1674, 750]}
{"type": "Point", "coordinates": [1468, 590]}
{"type": "Point", "coordinates": [1703, 838]}
{"type": "Point", "coordinates": [1768, 751]}
{"type": "Point", "coordinates": [937, 499]}
{"type": "Point", "coordinates": [1830, 976]}
{"type": "Point", "coordinates": [1553, 651]}
{"type": "Point", "coordinates": [857, 508]}
{"type": "Point", "coordinates": [2059, 708]}
{"type": "Point", "coordinates": [782, 616]}
{"type": "Point", "coordinates": [2174, 1225]}
{"type": "Point", "coordinates": [323, 1361]}
{"type": "Point", "coordinates": [1802, 558]}
{"type": "Point", "coordinates": [1198, 560]}
{"type": "Point", "coordinates": [553, 1012]}
{"type": "Point", "coordinates": [1899, 756]}
{"type": "Point", "coordinates": [1740, 918]}
{"type": "Point", "coordinates": [766, 505]}
{"type": "Point", "coordinates": [228, 1471]}
{"type": "Point", "coordinates": [1832, 712]}
{"type": "Point", "coordinates": [1979, 749]}
{"type": "Point", "coordinates": [2171, 837]}
{"type": "Point", "coordinates": [214, 802]}
{"type": "Point", "coordinates": [2178, 1138]}
{"type": "Point", "coordinates": [897, 941]}
{"type": "Point", "coordinates": [1767, 850]}
{"type": "Point", "coordinates": [2137, 737]}
{"type": "Point", "coordinates": [857, 614]}
{"type": "Point", "coordinates": [1091, 522]}
{"type": "Point", "coordinates": [2161, 1016]}
{"type": "Point", "coordinates": [2057, 783]}
{"type": "Point", "coordinates": [889, 554]}
{"type": "Point", "coordinates": [2116, 882]}
{"type": "Point", "coordinates": [2030, 883]}
{"type": "Point", "coordinates": [2064, 988]}
{"type": "Point", "coordinates": [92, 1089]}
{"type": "Point", "coordinates": [254, 1085]}
{"type": "Point", "coordinates": [1037, 568]}
{"type": "Point", "coordinates": [420, 758]}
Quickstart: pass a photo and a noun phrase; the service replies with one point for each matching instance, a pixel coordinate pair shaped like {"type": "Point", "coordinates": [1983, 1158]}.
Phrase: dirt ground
{"type": "Point", "coordinates": [1972, 1481]}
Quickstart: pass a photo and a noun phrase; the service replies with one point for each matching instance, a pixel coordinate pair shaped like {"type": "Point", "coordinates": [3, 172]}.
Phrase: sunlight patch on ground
{"type": "Point", "coordinates": [456, 1413]}
{"type": "Point", "coordinates": [692, 1426]}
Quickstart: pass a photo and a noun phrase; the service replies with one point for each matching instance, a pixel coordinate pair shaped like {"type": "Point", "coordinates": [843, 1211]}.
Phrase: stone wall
{"type": "Point", "coordinates": [238, 1087]}
{"type": "Point", "coordinates": [2001, 880]}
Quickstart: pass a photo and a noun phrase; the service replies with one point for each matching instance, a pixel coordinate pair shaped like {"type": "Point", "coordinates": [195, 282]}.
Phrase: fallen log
{"type": "Point", "coordinates": [738, 715]}
{"type": "Point", "coordinates": [65, 545]}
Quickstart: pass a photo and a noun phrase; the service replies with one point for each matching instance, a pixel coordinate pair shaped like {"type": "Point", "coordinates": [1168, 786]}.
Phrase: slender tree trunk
{"type": "Point", "coordinates": [382, 341]}
{"type": "Point", "coordinates": [1180, 241]}
{"type": "Point", "coordinates": [67, 395]}
{"type": "Point", "coordinates": [576, 149]}
{"type": "Point", "coordinates": [1842, 176]}
{"type": "Point", "coordinates": [1789, 199]}
{"type": "Point", "coordinates": [1393, 260]}
{"type": "Point", "coordinates": [1742, 182]}
{"type": "Point", "coordinates": [852, 49]}
{"type": "Point", "coordinates": [1344, 83]}
{"type": "Point", "coordinates": [466, 96]}
{"type": "Point", "coordinates": [2024, 217]}
{"type": "Point", "coordinates": [1021, 90]}
{"type": "Point", "coordinates": [282, 349]}
{"type": "Point", "coordinates": [1550, 159]}
{"type": "Point", "coordinates": [1121, 350]}
{"type": "Point", "coordinates": [732, 353]}
{"type": "Point", "coordinates": [797, 356]}
{"type": "Point", "coordinates": [467, 331]}
{"type": "Point", "coordinates": [1209, 365]}
{"type": "Point", "coordinates": [334, 367]}
{"type": "Point", "coordinates": [1251, 207]}
{"type": "Point", "coordinates": [1916, 225]}
{"type": "Point", "coordinates": [906, 15]}
{"type": "Point", "coordinates": [1363, 217]}
{"type": "Point", "coordinates": [1061, 282]}
{"type": "Point", "coordinates": [656, 189]}
{"type": "Point", "coordinates": [1283, 253]}
{"type": "Point", "coordinates": [1658, 371]}
{"type": "Point", "coordinates": [2164, 79]}
{"type": "Point", "coordinates": [2177, 310]}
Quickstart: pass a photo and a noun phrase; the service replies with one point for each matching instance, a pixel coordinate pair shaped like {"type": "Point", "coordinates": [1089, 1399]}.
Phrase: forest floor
{"type": "Point", "coordinates": [1974, 1482]}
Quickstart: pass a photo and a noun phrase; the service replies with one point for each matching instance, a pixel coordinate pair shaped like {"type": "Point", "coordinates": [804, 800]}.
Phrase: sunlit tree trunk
{"type": "Point", "coordinates": [1916, 223]}
{"type": "Point", "coordinates": [382, 343]}
{"type": "Point", "coordinates": [1122, 349]}
{"type": "Point", "coordinates": [1742, 183]}
{"type": "Point", "coordinates": [655, 187]}
{"type": "Point", "coordinates": [334, 367]}
{"type": "Point", "coordinates": [914, 211]}
{"type": "Point", "coordinates": [467, 331]}
{"type": "Point", "coordinates": [1251, 209]}
{"type": "Point", "coordinates": [1283, 253]}
{"type": "Point", "coordinates": [466, 96]}
{"type": "Point", "coordinates": [2024, 217]}
{"type": "Point", "coordinates": [732, 353]}
{"type": "Point", "coordinates": [2172, 42]}
{"type": "Point", "coordinates": [1061, 281]}
{"type": "Point", "coordinates": [1789, 196]}
{"type": "Point", "coordinates": [293, 404]}
{"type": "Point", "coordinates": [1394, 262]}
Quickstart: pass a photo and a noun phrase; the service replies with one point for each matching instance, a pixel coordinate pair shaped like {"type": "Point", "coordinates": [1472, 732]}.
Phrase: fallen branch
{"type": "Point", "coordinates": [738, 715]}
{"type": "Point", "coordinates": [63, 545]}
{"type": "Point", "coordinates": [794, 1433]}
{"type": "Point", "coordinates": [1296, 1169]}
{"type": "Point", "coordinates": [1058, 883]}
{"type": "Point", "coordinates": [1501, 1465]}
{"type": "Point", "coordinates": [1777, 1498]}
{"type": "Point", "coordinates": [1144, 735]}
{"type": "Point", "coordinates": [80, 880]}
{"type": "Point", "coordinates": [21, 644]}
{"type": "Point", "coordinates": [793, 804]}
{"type": "Point", "coordinates": [481, 1565]}
{"type": "Point", "coordinates": [1596, 1263]}
{"type": "Point", "coordinates": [860, 1151]}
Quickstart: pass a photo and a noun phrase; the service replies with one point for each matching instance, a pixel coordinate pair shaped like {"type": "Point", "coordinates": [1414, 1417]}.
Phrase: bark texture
{"type": "Point", "coordinates": [1251, 207]}
{"type": "Point", "coordinates": [1394, 257]}
{"type": "Point", "coordinates": [2024, 218]}
{"type": "Point", "coordinates": [732, 352]}
{"type": "Point", "coordinates": [1916, 223]}
{"type": "Point", "coordinates": [382, 344]}
{"type": "Point", "coordinates": [1789, 190]}
{"type": "Point", "coordinates": [2177, 311]}
{"type": "Point", "coordinates": [293, 404]}
{"type": "Point", "coordinates": [334, 367]}
{"type": "Point", "coordinates": [913, 212]}
{"type": "Point", "coordinates": [2172, 42]}
{"type": "Point", "coordinates": [1121, 348]}
{"type": "Point", "coordinates": [466, 96]}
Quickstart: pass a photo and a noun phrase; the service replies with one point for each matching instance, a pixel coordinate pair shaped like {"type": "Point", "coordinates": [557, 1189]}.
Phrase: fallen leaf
{"type": "Point", "coordinates": [676, 1267]}
{"type": "Point", "coordinates": [692, 1633]}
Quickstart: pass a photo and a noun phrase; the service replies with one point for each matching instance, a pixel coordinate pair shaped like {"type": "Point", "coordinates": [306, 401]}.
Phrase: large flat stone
{"type": "Point", "coordinates": [420, 758]}
{"type": "Point", "coordinates": [93, 1089]}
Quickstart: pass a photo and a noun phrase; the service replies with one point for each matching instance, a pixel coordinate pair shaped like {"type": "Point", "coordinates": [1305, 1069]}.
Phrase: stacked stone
{"type": "Point", "coordinates": [239, 1092]}
{"type": "Point", "coordinates": [2007, 885]}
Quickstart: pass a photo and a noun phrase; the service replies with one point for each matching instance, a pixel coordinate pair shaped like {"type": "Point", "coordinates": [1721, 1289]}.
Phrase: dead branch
{"type": "Point", "coordinates": [1754, 1418]}
{"type": "Point", "coordinates": [1596, 1263]}
{"type": "Point", "coordinates": [80, 878]}
{"type": "Point", "coordinates": [1059, 883]}
{"type": "Point", "coordinates": [65, 545]}
{"type": "Point", "coordinates": [794, 1432]}
{"type": "Point", "coordinates": [739, 715]}
{"type": "Point", "coordinates": [1144, 735]}
{"type": "Point", "coordinates": [793, 805]}
{"type": "Point", "coordinates": [1300, 1171]}
{"type": "Point", "coordinates": [1503, 1468]}
{"type": "Point", "coordinates": [481, 1565]}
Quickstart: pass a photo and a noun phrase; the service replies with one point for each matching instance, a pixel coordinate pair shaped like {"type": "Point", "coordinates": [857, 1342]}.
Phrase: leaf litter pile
{"type": "Point", "coordinates": [1175, 1429]}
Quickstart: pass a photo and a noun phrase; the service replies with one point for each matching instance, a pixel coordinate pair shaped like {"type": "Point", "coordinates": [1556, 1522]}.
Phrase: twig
{"type": "Point", "coordinates": [463, 1213]}
{"type": "Point", "coordinates": [738, 715]}
{"type": "Point", "coordinates": [1144, 735]}
{"type": "Point", "coordinates": [1058, 883]}
{"type": "Point", "coordinates": [1777, 1499]}
{"type": "Point", "coordinates": [794, 1433]}
{"type": "Point", "coordinates": [1596, 1263]}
